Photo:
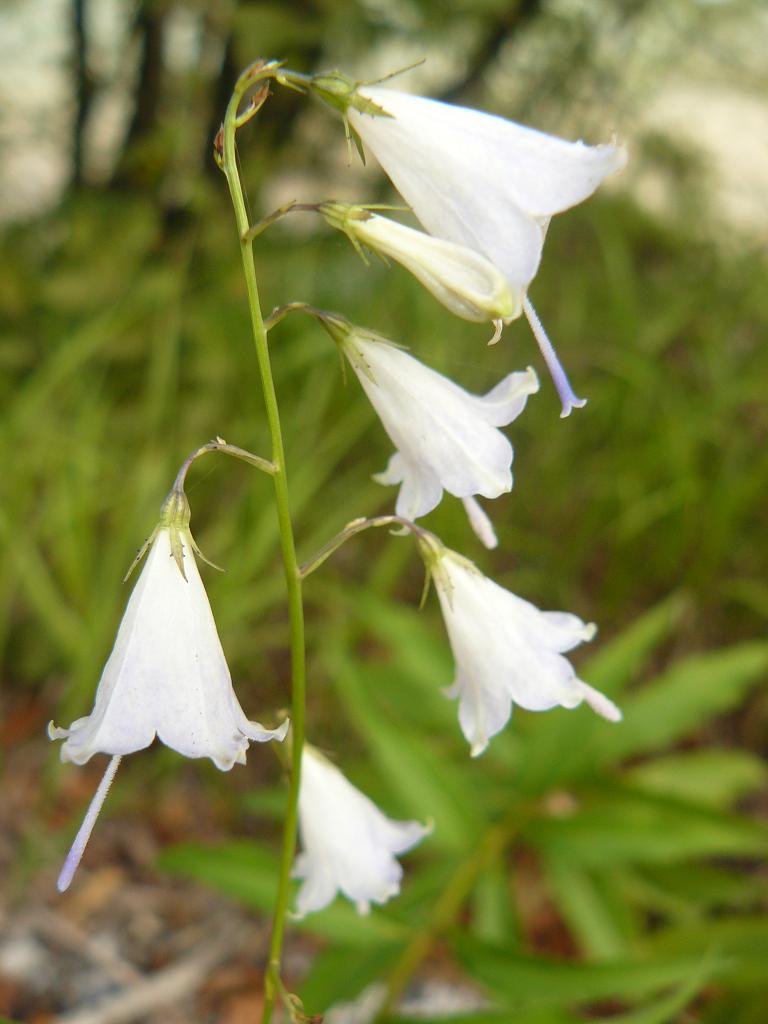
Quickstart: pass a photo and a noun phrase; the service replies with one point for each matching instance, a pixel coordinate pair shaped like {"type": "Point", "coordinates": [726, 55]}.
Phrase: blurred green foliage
{"type": "Point", "coordinates": [592, 870]}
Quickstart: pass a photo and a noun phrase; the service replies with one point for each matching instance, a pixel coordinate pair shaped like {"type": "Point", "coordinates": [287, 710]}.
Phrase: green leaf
{"type": "Point", "coordinates": [741, 943]}
{"type": "Point", "coordinates": [493, 914]}
{"type": "Point", "coordinates": [627, 827]}
{"type": "Point", "coordinates": [589, 915]}
{"type": "Point", "coordinates": [525, 981]}
{"type": "Point", "coordinates": [248, 873]}
{"type": "Point", "coordinates": [542, 1016]}
{"type": "Point", "coordinates": [688, 695]}
{"type": "Point", "coordinates": [341, 973]}
{"type": "Point", "coordinates": [716, 777]}
{"type": "Point", "coordinates": [665, 1009]}
{"type": "Point", "coordinates": [614, 665]}
{"type": "Point", "coordinates": [695, 889]}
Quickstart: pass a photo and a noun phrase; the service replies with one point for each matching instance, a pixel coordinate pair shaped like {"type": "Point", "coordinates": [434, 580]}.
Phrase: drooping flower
{"type": "Point", "coordinates": [446, 438]}
{"type": "Point", "coordinates": [464, 281]}
{"type": "Point", "coordinates": [506, 650]}
{"type": "Point", "coordinates": [348, 844]}
{"type": "Point", "coordinates": [477, 180]}
{"type": "Point", "coordinates": [167, 675]}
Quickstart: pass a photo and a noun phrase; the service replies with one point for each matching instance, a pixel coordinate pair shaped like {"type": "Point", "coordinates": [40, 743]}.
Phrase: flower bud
{"type": "Point", "coordinates": [464, 281]}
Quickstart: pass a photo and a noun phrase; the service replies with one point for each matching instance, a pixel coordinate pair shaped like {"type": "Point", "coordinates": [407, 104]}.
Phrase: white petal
{"type": "Point", "coordinates": [420, 491]}
{"type": "Point", "coordinates": [446, 437]}
{"type": "Point", "coordinates": [166, 675]}
{"type": "Point", "coordinates": [480, 180]}
{"type": "Point", "coordinates": [483, 711]}
{"type": "Point", "coordinates": [507, 399]}
{"type": "Point", "coordinates": [348, 844]}
{"type": "Point", "coordinates": [394, 472]}
{"type": "Point", "coordinates": [316, 892]}
{"type": "Point", "coordinates": [506, 650]}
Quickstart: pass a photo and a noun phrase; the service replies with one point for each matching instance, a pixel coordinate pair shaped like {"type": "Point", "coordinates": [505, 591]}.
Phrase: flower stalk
{"type": "Point", "coordinates": [228, 162]}
{"type": "Point", "coordinates": [349, 531]}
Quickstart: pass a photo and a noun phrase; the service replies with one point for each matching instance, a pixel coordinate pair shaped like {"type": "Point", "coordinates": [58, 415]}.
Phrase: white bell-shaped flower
{"type": "Point", "coordinates": [463, 280]}
{"type": "Point", "coordinates": [167, 675]}
{"type": "Point", "coordinates": [348, 844]}
{"type": "Point", "coordinates": [477, 180]}
{"type": "Point", "coordinates": [446, 438]}
{"type": "Point", "coordinates": [507, 651]}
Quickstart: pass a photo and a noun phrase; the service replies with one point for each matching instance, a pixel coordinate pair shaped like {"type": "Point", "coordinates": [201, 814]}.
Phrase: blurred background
{"type": "Point", "coordinates": [581, 871]}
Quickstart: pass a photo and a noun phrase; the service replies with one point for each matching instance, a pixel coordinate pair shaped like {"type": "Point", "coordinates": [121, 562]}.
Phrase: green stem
{"type": "Point", "coordinates": [349, 531]}
{"type": "Point", "coordinates": [287, 545]}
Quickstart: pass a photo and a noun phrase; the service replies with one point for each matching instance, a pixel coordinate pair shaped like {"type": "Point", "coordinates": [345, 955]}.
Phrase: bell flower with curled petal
{"type": "Point", "coordinates": [347, 844]}
{"type": "Point", "coordinates": [507, 651]}
{"type": "Point", "coordinates": [446, 438]}
{"type": "Point", "coordinates": [465, 282]}
{"type": "Point", "coordinates": [476, 179]}
{"type": "Point", "coordinates": [166, 676]}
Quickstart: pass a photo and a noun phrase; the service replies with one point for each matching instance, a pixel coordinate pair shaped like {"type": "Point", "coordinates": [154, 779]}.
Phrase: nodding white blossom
{"type": "Point", "coordinates": [463, 280]}
{"type": "Point", "coordinates": [348, 844]}
{"type": "Point", "coordinates": [446, 438]}
{"type": "Point", "coordinates": [477, 180]}
{"type": "Point", "coordinates": [166, 676]}
{"type": "Point", "coordinates": [507, 651]}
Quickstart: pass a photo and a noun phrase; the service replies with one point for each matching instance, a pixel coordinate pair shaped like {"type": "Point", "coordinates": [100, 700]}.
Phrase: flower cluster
{"type": "Point", "coordinates": [484, 189]}
{"type": "Point", "coordinates": [476, 182]}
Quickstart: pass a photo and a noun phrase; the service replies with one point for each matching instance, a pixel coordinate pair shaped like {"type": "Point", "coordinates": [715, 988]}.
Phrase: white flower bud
{"type": "Point", "coordinates": [465, 282]}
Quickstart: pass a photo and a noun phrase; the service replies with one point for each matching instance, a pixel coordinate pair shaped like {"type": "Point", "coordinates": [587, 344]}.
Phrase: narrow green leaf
{"type": "Point", "coordinates": [588, 914]}
{"type": "Point", "coordinates": [340, 974]}
{"type": "Point", "coordinates": [614, 664]}
{"type": "Point", "coordinates": [627, 827]}
{"type": "Point", "coordinates": [541, 1016]}
{"type": "Point", "coordinates": [689, 694]}
{"type": "Point", "coordinates": [524, 981]}
{"type": "Point", "coordinates": [740, 942]}
{"type": "Point", "coordinates": [665, 1009]}
{"type": "Point", "coordinates": [493, 914]}
{"type": "Point", "coordinates": [700, 888]}
{"type": "Point", "coordinates": [714, 776]}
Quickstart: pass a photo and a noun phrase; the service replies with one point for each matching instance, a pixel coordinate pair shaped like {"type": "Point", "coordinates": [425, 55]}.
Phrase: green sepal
{"type": "Point", "coordinates": [341, 92]}
{"type": "Point", "coordinates": [175, 516]}
{"type": "Point", "coordinates": [432, 551]}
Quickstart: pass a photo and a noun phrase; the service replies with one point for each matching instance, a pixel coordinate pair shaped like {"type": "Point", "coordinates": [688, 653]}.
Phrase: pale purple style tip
{"type": "Point", "coordinates": [84, 834]}
{"type": "Point", "coordinates": [568, 397]}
